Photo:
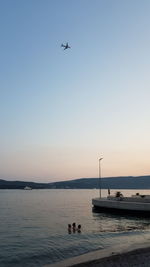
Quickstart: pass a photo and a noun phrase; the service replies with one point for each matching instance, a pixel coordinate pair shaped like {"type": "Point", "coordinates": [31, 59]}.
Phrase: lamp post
{"type": "Point", "coordinates": [100, 177]}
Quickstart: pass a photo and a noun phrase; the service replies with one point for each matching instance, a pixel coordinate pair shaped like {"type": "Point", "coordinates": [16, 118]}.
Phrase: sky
{"type": "Point", "coordinates": [60, 110]}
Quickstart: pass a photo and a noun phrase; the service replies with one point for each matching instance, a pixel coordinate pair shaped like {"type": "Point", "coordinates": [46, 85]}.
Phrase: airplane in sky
{"type": "Point", "coordinates": [66, 46]}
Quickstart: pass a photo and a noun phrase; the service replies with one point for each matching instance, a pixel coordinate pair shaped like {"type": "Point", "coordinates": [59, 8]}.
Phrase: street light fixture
{"type": "Point", "coordinates": [100, 177]}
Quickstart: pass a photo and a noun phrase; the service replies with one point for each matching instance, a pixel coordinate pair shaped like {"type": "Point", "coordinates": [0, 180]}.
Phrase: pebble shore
{"type": "Point", "coordinates": [137, 258]}
{"type": "Point", "coordinates": [135, 255]}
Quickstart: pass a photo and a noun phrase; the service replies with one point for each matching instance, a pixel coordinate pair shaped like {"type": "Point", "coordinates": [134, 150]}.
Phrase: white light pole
{"type": "Point", "coordinates": [100, 177]}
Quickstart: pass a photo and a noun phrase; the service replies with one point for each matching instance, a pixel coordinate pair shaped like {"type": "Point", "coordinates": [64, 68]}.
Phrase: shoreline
{"type": "Point", "coordinates": [135, 254]}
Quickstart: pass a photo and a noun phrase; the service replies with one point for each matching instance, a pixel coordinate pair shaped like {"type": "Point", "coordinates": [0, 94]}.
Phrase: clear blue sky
{"type": "Point", "coordinates": [61, 110]}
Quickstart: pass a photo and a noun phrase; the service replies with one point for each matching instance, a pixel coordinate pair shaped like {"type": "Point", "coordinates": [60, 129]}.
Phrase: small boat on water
{"type": "Point", "coordinates": [27, 188]}
{"type": "Point", "coordinates": [135, 204]}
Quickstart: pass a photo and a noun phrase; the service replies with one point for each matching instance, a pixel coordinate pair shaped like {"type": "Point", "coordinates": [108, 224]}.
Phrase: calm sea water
{"type": "Point", "coordinates": [33, 226]}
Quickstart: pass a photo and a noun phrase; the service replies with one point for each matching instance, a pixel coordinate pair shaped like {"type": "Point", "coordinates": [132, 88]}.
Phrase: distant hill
{"type": "Point", "coordinates": [140, 182]}
{"type": "Point", "coordinates": [125, 182]}
{"type": "Point", "coordinates": [21, 185]}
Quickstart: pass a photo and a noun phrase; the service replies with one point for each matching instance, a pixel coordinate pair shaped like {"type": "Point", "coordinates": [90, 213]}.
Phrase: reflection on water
{"type": "Point", "coordinates": [34, 226]}
{"type": "Point", "coordinates": [110, 222]}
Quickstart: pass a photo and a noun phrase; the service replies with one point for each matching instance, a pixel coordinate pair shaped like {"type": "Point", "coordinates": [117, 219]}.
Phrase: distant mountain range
{"type": "Point", "coordinates": [125, 182]}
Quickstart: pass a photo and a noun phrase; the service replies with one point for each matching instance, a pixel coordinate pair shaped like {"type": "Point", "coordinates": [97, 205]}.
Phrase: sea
{"type": "Point", "coordinates": [34, 226]}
